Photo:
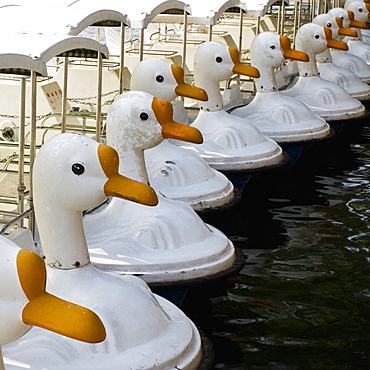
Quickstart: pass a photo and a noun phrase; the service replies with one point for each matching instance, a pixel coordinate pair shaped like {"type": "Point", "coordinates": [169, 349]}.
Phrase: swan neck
{"type": "Point", "coordinates": [324, 57]}
{"type": "Point", "coordinates": [308, 69]}
{"type": "Point", "coordinates": [62, 237]}
{"type": "Point", "coordinates": [267, 81]}
{"type": "Point", "coordinates": [132, 165]}
{"type": "Point", "coordinates": [214, 102]}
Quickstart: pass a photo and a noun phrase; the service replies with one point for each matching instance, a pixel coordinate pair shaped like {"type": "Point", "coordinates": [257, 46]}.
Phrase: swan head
{"type": "Point", "coordinates": [360, 15]}
{"type": "Point", "coordinates": [347, 16]}
{"type": "Point", "coordinates": [315, 39]}
{"type": "Point", "coordinates": [217, 62]}
{"type": "Point", "coordinates": [335, 24]}
{"type": "Point", "coordinates": [73, 172]}
{"type": "Point", "coordinates": [271, 49]}
{"type": "Point", "coordinates": [164, 80]}
{"type": "Point", "coordinates": [25, 303]}
{"type": "Point", "coordinates": [138, 120]}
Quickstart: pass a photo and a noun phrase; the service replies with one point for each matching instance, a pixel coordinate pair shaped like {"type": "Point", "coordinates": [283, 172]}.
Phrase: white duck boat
{"type": "Point", "coordinates": [280, 117]}
{"type": "Point", "coordinates": [71, 173]}
{"type": "Point", "coordinates": [231, 144]}
{"type": "Point", "coordinates": [24, 301]}
{"type": "Point", "coordinates": [326, 99]}
{"type": "Point", "coordinates": [175, 172]}
{"type": "Point", "coordinates": [330, 71]}
{"type": "Point", "coordinates": [344, 59]}
{"type": "Point", "coordinates": [168, 244]}
{"type": "Point", "coordinates": [356, 45]}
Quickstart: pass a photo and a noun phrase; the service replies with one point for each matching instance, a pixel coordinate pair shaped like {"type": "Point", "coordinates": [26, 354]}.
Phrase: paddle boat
{"type": "Point", "coordinates": [282, 118]}
{"type": "Point", "coordinates": [231, 144]}
{"type": "Point", "coordinates": [173, 171]}
{"type": "Point", "coordinates": [24, 301]}
{"type": "Point", "coordinates": [73, 172]}
{"type": "Point", "coordinates": [330, 71]}
{"type": "Point", "coordinates": [166, 245]}
{"type": "Point", "coordinates": [356, 45]}
{"type": "Point", "coordinates": [326, 99]}
{"type": "Point", "coordinates": [344, 59]}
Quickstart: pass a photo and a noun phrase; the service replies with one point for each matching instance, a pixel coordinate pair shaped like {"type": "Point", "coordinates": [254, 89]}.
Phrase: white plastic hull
{"type": "Point", "coordinates": [182, 175]}
{"type": "Point", "coordinates": [283, 119]}
{"type": "Point", "coordinates": [233, 144]}
{"type": "Point", "coordinates": [326, 99]}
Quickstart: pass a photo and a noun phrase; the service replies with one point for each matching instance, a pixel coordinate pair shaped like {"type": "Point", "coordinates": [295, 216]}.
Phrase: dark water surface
{"type": "Point", "coordinates": [302, 301]}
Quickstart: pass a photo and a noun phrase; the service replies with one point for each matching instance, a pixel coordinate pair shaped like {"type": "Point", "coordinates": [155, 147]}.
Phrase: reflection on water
{"type": "Point", "coordinates": [302, 301]}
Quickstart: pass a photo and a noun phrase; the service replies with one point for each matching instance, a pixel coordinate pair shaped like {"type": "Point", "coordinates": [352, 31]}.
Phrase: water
{"type": "Point", "coordinates": [302, 301]}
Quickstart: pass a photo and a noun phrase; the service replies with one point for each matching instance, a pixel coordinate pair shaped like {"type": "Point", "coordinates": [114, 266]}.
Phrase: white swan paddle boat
{"type": "Point", "coordinates": [24, 301]}
{"type": "Point", "coordinates": [344, 59]}
{"type": "Point", "coordinates": [326, 99]}
{"type": "Point", "coordinates": [356, 45]}
{"type": "Point", "coordinates": [330, 71]}
{"type": "Point", "coordinates": [231, 144]}
{"type": "Point", "coordinates": [72, 173]}
{"type": "Point", "coordinates": [284, 119]}
{"type": "Point", "coordinates": [173, 171]}
{"type": "Point", "coordinates": [166, 245]}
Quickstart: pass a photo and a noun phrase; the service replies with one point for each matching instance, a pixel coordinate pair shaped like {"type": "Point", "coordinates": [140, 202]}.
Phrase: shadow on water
{"type": "Point", "coordinates": [302, 301]}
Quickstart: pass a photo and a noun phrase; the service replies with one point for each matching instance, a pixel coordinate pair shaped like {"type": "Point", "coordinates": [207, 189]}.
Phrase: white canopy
{"type": "Point", "coordinates": [52, 20]}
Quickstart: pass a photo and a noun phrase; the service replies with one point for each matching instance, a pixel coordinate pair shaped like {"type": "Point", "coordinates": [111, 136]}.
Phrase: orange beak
{"type": "Point", "coordinates": [184, 89]}
{"type": "Point", "coordinates": [174, 130]}
{"type": "Point", "coordinates": [121, 186]}
{"type": "Point", "coordinates": [354, 23]}
{"type": "Point", "coordinates": [50, 312]}
{"type": "Point", "coordinates": [335, 44]}
{"type": "Point", "coordinates": [291, 53]}
{"type": "Point", "coordinates": [345, 31]}
{"type": "Point", "coordinates": [240, 68]}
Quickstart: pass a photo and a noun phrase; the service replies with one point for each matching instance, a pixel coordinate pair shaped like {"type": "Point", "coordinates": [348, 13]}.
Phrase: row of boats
{"type": "Point", "coordinates": [118, 234]}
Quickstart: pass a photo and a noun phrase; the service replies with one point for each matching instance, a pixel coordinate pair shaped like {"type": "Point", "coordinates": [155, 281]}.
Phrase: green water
{"type": "Point", "coordinates": [302, 301]}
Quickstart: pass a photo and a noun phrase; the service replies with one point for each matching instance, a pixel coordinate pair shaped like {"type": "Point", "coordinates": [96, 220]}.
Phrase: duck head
{"type": "Point", "coordinates": [358, 13]}
{"type": "Point", "coordinates": [73, 173]}
{"type": "Point", "coordinates": [335, 24]}
{"type": "Point", "coordinates": [315, 39]}
{"type": "Point", "coordinates": [268, 51]}
{"type": "Point", "coordinates": [164, 80]}
{"type": "Point", "coordinates": [25, 302]}
{"type": "Point", "coordinates": [137, 121]}
{"type": "Point", "coordinates": [215, 62]}
{"type": "Point", "coordinates": [348, 18]}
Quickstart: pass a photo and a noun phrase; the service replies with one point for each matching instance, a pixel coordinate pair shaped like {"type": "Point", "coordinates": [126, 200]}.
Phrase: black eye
{"type": "Point", "coordinates": [341, 17]}
{"type": "Point", "coordinates": [360, 10]}
{"type": "Point", "coordinates": [218, 59]}
{"type": "Point", "coordinates": [159, 78]}
{"type": "Point", "coordinates": [78, 169]}
{"type": "Point", "coordinates": [144, 116]}
{"type": "Point", "coordinates": [317, 36]}
{"type": "Point", "coordinates": [328, 25]}
{"type": "Point", "coordinates": [272, 47]}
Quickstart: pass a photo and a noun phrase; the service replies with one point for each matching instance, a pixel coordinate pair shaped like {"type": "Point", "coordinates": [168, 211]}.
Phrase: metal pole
{"type": "Point", "coordinates": [282, 21]}
{"type": "Point", "coordinates": [210, 32]}
{"type": "Point", "coordinates": [122, 59]}
{"type": "Point", "coordinates": [299, 20]}
{"type": "Point", "coordinates": [22, 122]}
{"type": "Point", "coordinates": [98, 97]}
{"type": "Point", "coordinates": [241, 19]}
{"type": "Point", "coordinates": [141, 50]}
{"type": "Point", "coordinates": [258, 25]}
{"type": "Point", "coordinates": [295, 19]}
{"type": "Point", "coordinates": [32, 143]}
{"type": "Point", "coordinates": [184, 40]}
{"type": "Point", "coordinates": [64, 95]}
{"type": "Point", "coordinates": [278, 26]}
